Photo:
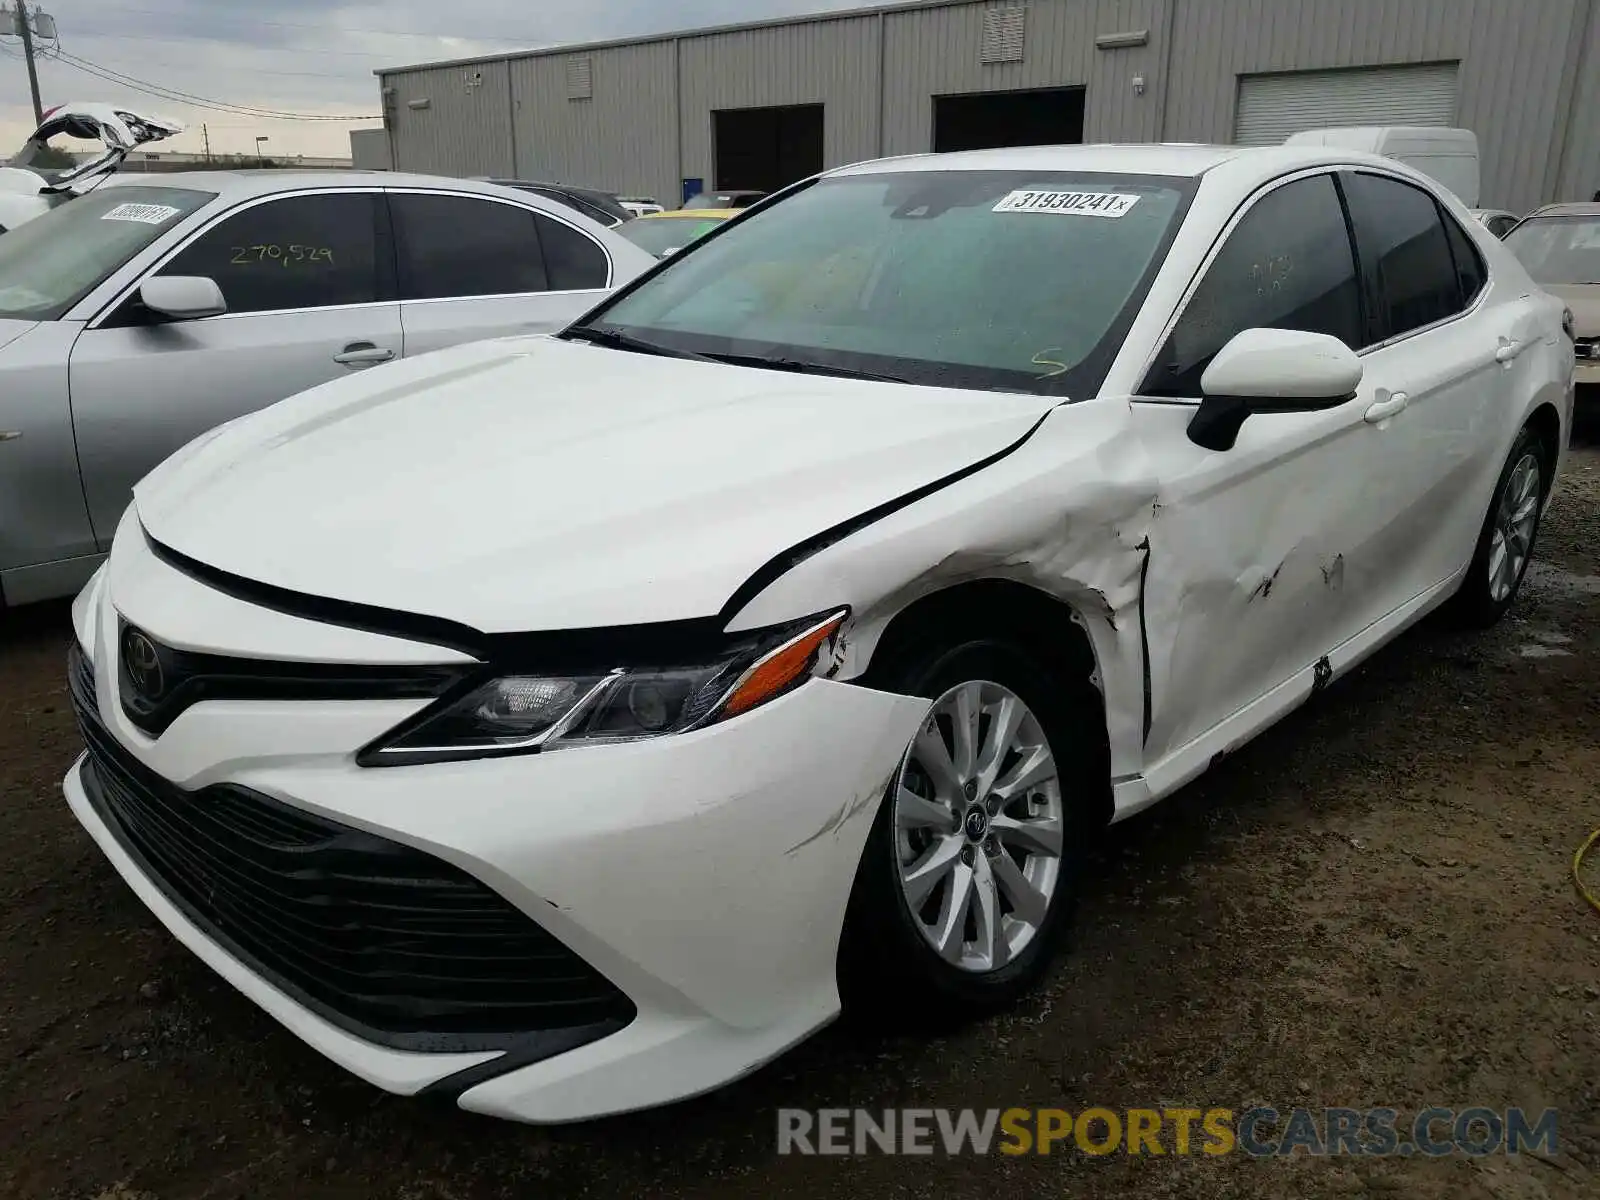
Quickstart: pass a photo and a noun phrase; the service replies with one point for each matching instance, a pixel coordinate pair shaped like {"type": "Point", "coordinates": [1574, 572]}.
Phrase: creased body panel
{"type": "Point", "coordinates": [1068, 513]}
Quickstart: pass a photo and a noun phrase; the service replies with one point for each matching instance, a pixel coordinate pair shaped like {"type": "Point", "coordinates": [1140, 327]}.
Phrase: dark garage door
{"type": "Point", "coordinates": [763, 149]}
{"type": "Point", "coordinates": [985, 119]}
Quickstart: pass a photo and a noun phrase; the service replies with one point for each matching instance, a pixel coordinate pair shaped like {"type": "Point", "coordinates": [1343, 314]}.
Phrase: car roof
{"type": "Point", "coordinates": [245, 184]}
{"type": "Point", "coordinates": [1241, 163]}
{"type": "Point", "coordinates": [1584, 208]}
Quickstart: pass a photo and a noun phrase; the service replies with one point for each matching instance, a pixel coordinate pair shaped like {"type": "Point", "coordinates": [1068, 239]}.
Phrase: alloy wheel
{"type": "Point", "coordinates": [1516, 517]}
{"type": "Point", "coordinates": [979, 826]}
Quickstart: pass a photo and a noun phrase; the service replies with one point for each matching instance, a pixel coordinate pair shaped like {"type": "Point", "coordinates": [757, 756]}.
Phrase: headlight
{"type": "Point", "coordinates": [513, 714]}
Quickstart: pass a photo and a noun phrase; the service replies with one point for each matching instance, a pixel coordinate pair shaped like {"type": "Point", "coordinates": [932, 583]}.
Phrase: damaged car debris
{"type": "Point", "coordinates": [27, 191]}
{"type": "Point", "coordinates": [571, 724]}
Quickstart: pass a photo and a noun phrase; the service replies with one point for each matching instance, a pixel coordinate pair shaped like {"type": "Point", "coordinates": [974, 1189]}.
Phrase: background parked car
{"type": "Point", "coordinates": [140, 315]}
{"type": "Point", "coordinates": [1559, 244]}
{"type": "Point", "coordinates": [601, 207]}
{"type": "Point", "coordinates": [726, 199]}
{"type": "Point", "coordinates": [665, 233]}
{"type": "Point", "coordinates": [1496, 220]}
{"type": "Point", "coordinates": [640, 206]}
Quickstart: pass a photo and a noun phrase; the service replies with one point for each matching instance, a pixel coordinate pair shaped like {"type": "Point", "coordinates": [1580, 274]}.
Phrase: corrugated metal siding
{"type": "Point", "coordinates": [466, 128]}
{"type": "Point", "coordinates": [1580, 169]}
{"type": "Point", "coordinates": [833, 63]}
{"type": "Point", "coordinates": [1507, 48]}
{"type": "Point", "coordinates": [1271, 107]}
{"type": "Point", "coordinates": [1514, 56]}
{"type": "Point", "coordinates": [621, 139]}
{"type": "Point", "coordinates": [937, 52]}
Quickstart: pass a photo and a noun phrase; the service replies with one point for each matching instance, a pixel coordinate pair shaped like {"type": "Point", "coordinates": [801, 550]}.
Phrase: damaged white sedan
{"type": "Point", "coordinates": [563, 724]}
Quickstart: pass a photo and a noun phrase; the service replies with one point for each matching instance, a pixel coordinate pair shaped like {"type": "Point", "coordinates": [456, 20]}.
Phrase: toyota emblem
{"type": "Point", "coordinates": [142, 662]}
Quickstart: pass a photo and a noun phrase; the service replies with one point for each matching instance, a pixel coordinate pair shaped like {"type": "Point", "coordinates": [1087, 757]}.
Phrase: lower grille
{"type": "Point", "coordinates": [377, 937]}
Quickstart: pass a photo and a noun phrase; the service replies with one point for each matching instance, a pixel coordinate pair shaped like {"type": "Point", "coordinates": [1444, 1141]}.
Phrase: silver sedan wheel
{"type": "Point", "coordinates": [1515, 517]}
{"type": "Point", "coordinates": [978, 826]}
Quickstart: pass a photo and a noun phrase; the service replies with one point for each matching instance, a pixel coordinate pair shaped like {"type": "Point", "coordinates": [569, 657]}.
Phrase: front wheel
{"type": "Point", "coordinates": [1505, 543]}
{"type": "Point", "coordinates": [969, 875]}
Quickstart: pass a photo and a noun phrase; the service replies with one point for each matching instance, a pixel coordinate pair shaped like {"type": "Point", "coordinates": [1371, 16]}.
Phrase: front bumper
{"type": "Point", "coordinates": [704, 875]}
{"type": "Point", "coordinates": [1586, 372]}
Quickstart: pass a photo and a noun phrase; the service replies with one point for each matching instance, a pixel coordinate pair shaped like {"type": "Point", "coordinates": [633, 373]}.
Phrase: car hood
{"type": "Point", "coordinates": [11, 329]}
{"type": "Point", "coordinates": [1584, 301]}
{"type": "Point", "coordinates": [535, 484]}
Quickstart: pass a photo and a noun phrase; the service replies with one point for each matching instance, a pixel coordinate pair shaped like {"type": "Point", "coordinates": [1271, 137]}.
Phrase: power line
{"type": "Point", "coordinates": [162, 92]}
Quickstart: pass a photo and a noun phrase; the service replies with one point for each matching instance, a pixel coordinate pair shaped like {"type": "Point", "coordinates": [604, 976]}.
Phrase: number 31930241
{"type": "Point", "coordinates": [245, 256]}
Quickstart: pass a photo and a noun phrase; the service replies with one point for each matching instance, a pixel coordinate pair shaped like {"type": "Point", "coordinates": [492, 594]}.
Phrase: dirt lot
{"type": "Point", "coordinates": [1370, 905]}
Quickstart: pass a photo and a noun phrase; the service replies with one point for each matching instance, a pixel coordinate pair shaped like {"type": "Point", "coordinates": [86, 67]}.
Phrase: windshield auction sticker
{"type": "Point", "coordinates": [1068, 204]}
{"type": "Point", "coordinates": [145, 214]}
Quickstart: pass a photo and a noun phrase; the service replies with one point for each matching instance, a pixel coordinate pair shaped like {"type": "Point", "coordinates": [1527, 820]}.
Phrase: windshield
{"type": "Point", "coordinates": [64, 254]}
{"type": "Point", "coordinates": [983, 279]}
{"type": "Point", "coordinates": [662, 236]}
{"type": "Point", "coordinates": [1558, 250]}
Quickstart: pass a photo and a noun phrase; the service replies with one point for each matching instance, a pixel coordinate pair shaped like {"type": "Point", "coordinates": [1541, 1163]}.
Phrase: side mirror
{"type": "Point", "coordinates": [182, 297]}
{"type": "Point", "coordinates": [1268, 371]}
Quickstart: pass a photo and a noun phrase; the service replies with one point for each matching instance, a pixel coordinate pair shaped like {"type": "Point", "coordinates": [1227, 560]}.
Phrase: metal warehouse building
{"type": "Point", "coordinates": [759, 105]}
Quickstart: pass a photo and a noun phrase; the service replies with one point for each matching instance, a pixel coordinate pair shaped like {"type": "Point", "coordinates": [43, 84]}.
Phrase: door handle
{"type": "Point", "coordinates": [10, 435]}
{"type": "Point", "coordinates": [363, 354]}
{"type": "Point", "coordinates": [1382, 410]}
{"type": "Point", "coordinates": [1508, 350]}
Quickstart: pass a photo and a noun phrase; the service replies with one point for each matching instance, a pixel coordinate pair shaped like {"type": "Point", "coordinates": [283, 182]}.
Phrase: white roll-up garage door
{"type": "Point", "coordinates": [1271, 107]}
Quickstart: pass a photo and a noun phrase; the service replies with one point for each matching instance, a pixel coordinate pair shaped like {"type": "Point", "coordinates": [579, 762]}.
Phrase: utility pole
{"type": "Point", "coordinates": [206, 133]}
{"type": "Point", "coordinates": [26, 31]}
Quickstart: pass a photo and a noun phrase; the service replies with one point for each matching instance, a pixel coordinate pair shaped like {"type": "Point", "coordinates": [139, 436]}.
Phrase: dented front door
{"type": "Point", "coordinates": [1262, 558]}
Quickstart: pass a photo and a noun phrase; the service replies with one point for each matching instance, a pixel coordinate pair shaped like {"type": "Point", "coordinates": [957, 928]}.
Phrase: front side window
{"type": "Point", "coordinates": [1405, 254]}
{"type": "Point", "coordinates": [1286, 265]}
{"type": "Point", "coordinates": [1556, 250]}
{"type": "Point", "coordinates": [1012, 280]}
{"type": "Point", "coordinates": [309, 251]}
{"type": "Point", "coordinates": [461, 246]}
{"type": "Point", "coordinates": [66, 253]}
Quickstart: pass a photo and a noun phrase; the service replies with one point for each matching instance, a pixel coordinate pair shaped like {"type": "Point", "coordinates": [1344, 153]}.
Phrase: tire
{"type": "Point", "coordinates": [888, 961]}
{"type": "Point", "coordinates": [1491, 584]}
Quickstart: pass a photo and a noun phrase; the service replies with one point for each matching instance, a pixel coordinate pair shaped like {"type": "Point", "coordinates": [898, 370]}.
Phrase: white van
{"type": "Point", "coordinates": [1448, 155]}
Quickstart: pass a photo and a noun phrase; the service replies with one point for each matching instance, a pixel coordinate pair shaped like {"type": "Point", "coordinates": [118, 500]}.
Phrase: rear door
{"type": "Point", "coordinates": [473, 267]}
{"type": "Point", "coordinates": [1448, 358]}
{"type": "Point", "coordinates": [307, 277]}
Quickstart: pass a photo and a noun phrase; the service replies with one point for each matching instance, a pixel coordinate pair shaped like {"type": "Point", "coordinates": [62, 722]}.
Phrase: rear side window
{"type": "Point", "coordinates": [1470, 271]}
{"type": "Point", "coordinates": [295, 252]}
{"type": "Point", "coordinates": [1286, 265]}
{"type": "Point", "coordinates": [461, 246]}
{"type": "Point", "coordinates": [574, 260]}
{"type": "Point", "coordinates": [1410, 276]}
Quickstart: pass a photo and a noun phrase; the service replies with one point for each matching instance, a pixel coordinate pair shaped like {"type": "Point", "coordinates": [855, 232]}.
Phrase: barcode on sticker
{"type": "Point", "coordinates": [146, 214]}
{"type": "Point", "coordinates": [1071, 204]}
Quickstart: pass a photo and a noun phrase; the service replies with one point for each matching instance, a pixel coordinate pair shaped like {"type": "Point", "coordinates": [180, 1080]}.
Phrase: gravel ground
{"type": "Point", "coordinates": [1370, 905]}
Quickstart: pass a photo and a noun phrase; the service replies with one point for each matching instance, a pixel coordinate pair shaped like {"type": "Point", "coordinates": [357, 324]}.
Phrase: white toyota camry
{"type": "Point", "coordinates": [564, 724]}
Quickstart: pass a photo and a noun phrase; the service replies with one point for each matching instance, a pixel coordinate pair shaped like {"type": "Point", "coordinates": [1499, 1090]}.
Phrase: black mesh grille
{"type": "Point", "coordinates": [375, 936]}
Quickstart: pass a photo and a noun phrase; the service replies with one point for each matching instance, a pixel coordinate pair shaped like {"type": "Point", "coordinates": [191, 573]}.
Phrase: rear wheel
{"type": "Point", "coordinates": [969, 875]}
{"type": "Point", "coordinates": [1505, 543]}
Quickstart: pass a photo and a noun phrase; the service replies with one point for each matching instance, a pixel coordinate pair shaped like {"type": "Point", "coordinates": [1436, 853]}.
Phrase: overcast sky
{"type": "Point", "coordinates": [311, 56]}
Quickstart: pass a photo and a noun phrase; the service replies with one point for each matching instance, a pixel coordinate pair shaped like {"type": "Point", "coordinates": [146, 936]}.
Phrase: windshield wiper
{"type": "Point", "coordinates": [804, 368]}
{"type": "Point", "coordinates": [617, 340]}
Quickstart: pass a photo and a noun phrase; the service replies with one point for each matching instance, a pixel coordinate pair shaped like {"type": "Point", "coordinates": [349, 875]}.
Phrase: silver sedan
{"type": "Point", "coordinates": [139, 315]}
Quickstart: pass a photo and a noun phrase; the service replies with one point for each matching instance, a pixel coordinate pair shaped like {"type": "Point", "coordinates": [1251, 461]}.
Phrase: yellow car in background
{"type": "Point", "coordinates": [665, 233]}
